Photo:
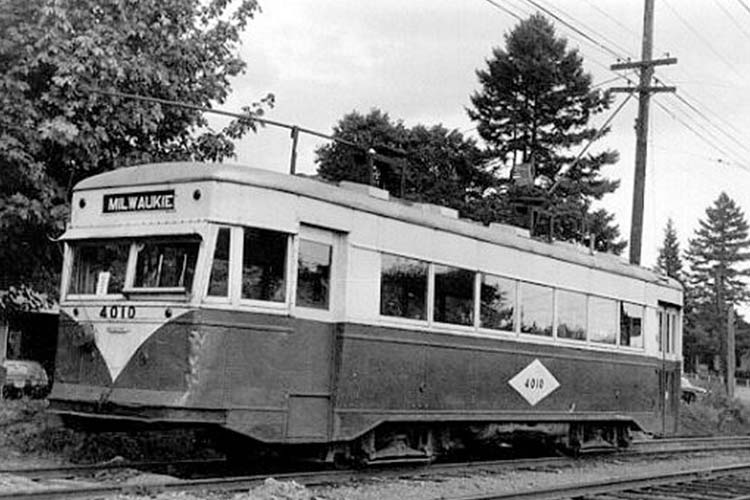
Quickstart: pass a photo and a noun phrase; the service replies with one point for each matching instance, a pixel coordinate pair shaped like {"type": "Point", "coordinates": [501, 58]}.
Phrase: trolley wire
{"type": "Point", "coordinates": [744, 5]}
{"type": "Point", "coordinates": [709, 142]}
{"type": "Point", "coordinates": [732, 18]}
{"type": "Point", "coordinates": [700, 37]}
{"type": "Point", "coordinates": [595, 33]}
{"type": "Point", "coordinates": [613, 19]}
{"type": "Point", "coordinates": [574, 28]}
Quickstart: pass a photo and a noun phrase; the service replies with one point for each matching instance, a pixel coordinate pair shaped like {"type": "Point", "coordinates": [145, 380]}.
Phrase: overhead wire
{"type": "Point", "coordinates": [593, 60]}
{"type": "Point", "coordinates": [700, 37]}
{"type": "Point", "coordinates": [691, 104]}
{"type": "Point", "coordinates": [613, 19]}
{"type": "Point", "coordinates": [744, 5]}
{"type": "Point", "coordinates": [703, 115]}
{"type": "Point", "coordinates": [575, 29]}
{"type": "Point", "coordinates": [695, 107]}
{"type": "Point", "coordinates": [710, 142]}
{"type": "Point", "coordinates": [732, 18]}
{"type": "Point", "coordinates": [586, 27]}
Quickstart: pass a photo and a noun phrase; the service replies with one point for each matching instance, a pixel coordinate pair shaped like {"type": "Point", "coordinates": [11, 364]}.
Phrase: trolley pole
{"type": "Point", "coordinates": [644, 89]}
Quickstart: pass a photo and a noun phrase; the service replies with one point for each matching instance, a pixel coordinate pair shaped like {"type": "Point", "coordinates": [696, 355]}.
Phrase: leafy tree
{"type": "Point", "coordinates": [669, 261]}
{"type": "Point", "coordinates": [716, 256]}
{"type": "Point", "coordinates": [534, 108]}
{"type": "Point", "coordinates": [438, 164]}
{"type": "Point", "coordinates": [55, 129]}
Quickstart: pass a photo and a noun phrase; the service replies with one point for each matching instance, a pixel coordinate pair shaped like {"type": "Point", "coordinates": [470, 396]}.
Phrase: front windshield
{"type": "Point", "coordinates": [99, 267]}
{"type": "Point", "coordinates": [162, 264]}
{"type": "Point", "coordinates": [165, 264]}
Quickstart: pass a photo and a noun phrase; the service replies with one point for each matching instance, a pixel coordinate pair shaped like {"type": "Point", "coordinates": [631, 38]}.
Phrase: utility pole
{"type": "Point", "coordinates": [644, 89]}
{"type": "Point", "coordinates": [731, 361]}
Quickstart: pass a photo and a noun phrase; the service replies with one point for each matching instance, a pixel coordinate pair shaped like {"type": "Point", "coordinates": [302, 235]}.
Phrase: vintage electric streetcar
{"type": "Point", "coordinates": [333, 321]}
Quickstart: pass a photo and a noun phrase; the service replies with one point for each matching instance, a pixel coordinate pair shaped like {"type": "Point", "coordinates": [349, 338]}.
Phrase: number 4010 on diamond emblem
{"type": "Point", "coordinates": [534, 383]}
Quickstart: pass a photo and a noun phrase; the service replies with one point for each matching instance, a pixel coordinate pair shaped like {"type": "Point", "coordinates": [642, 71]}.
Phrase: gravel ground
{"type": "Point", "coordinates": [431, 487]}
{"type": "Point", "coordinates": [30, 437]}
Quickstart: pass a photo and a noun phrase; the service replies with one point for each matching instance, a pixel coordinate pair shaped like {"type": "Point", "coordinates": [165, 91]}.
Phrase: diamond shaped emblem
{"type": "Point", "coordinates": [534, 383]}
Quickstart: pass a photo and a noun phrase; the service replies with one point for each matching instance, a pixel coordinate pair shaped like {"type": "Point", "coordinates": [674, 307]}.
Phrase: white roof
{"type": "Point", "coordinates": [366, 199]}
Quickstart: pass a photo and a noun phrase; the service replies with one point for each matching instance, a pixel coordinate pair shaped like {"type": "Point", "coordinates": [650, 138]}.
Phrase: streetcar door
{"type": "Point", "coordinates": [317, 305]}
{"type": "Point", "coordinates": [669, 375]}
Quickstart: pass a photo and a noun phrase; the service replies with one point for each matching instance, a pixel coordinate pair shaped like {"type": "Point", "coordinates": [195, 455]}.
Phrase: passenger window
{"type": "Point", "coordinates": [403, 287]}
{"type": "Point", "coordinates": [264, 265]}
{"type": "Point", "coordinates": [668, 324]}
{"type": "Point", "coordinates": [454, 295]}
{"type": "Point", "coordinates": [218, 285]}
{"type": "Point", "coordinates": [498, 296]}
{"type": "Point", "coordinates": [314, 274]}
{"type": "Point", "coordinates": [571, 315]}
{"type": "Point", "coordinates": [602, 320]}
{"type": "Point", "coordinates": [536, 309]}
{"type": "Point", "coordinates": [631, 325]}
{"type": "Point", "coordinates": [671, 330]}
{"type": "Point", "coordinates": [95, 263]}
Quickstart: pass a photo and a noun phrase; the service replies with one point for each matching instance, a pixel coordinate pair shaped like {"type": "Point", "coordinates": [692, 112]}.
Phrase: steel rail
{"type": "Point", "coordinates": [62, 471]}
{"type": "Point", "coordinates": [644, 447]}
{"type": "Point", "coordinates": [612, 486]}
{"type": "Point", "coordinates": [651, 446]}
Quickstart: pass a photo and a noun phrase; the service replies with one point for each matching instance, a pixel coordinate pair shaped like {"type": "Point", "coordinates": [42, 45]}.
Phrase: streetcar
{"type": "Point", "coordinates": [339, 322]}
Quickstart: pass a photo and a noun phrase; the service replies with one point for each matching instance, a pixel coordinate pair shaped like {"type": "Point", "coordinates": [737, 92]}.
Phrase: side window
{"type": "Point", "coordinates": [536, 309]}
{"type": "Point", "coordinates": [403, 287]}
{"type": "Point", "coordinates": [264, 265]}
{"type": "Point", "coordinates": [314, 274]}
{"type": "Point", "coordinates": [672, 317]}
{"type": "Point", "coordinates": [667, 332]}
{"type": "Point", "coordinates": [218, 285]}
{"type": "Point", "coordinates": [631, 325]}
{"type": "Point", "coordinates": [454, 295]}
{"type": "Point", "coordinates": [571, 315]}
{"type": "Point", "coordinates": [602, 320]}
{"type": "Point", "coordinates": [498, 297]}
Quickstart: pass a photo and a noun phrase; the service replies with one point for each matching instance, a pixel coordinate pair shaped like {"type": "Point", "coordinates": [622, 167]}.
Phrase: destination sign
{"type": "Point", "coordinates": [139, 202]}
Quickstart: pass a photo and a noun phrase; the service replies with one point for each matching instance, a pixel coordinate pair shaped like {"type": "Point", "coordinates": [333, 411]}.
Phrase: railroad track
{"type": "Point", "coordinates": [67, 471]}
{"type": "Point", "coordinates": [726, 483]}
{"type": "Point", "coordinates": [235, 483]}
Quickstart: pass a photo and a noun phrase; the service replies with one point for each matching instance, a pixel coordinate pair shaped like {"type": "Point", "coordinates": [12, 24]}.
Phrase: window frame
{"type": "Point", "coordinates": [567, 340]}
{"type": "Point", "coordinates": [209, 259]}
{"type": "Point", "coordinates": [644, 312]}
{"type": "Point", "coordinates": [528, 335]}
{"type": "Point", "coordinates": [429, 293]}
{"type": "Point", "coordinates": [71, 253]}
{"type": "Point", "coordinates": [595, 343]}
{"type": "Point", "coordinates": [257, 304]}
{"type": "Point", "coordinates": [129, 291]}
{"type": "Point", "coordinates": [516, 309]}
{"type": "Point", "coordinates": [432, 296]}
{"type": "Point", "coordinates": [328, 237]}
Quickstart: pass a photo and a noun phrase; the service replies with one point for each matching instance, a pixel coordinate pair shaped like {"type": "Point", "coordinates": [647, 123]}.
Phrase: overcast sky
{"type": "Point", "coordinates": [416, 60]}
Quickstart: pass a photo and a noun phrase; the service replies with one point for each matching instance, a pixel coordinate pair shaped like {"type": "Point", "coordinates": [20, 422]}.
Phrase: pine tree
{"type": "Point", "coordinates": [716, 256]}
{"type": "Point", "coordinates": [534, 107]}
{"type": "Point", "coordinates": [669, 261]}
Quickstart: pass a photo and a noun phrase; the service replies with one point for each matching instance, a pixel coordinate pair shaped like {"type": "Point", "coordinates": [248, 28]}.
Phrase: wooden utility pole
{"type": "Point", "coordinates": [731, 362]}
{"type": "Point", "coordinates": [644, 89]}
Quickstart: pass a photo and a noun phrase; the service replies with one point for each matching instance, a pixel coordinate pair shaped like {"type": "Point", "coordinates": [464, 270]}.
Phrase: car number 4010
{"type": "Point", "coordinates": [534, 383]}
{"type": "Point", "coordinates": [115, 312]}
